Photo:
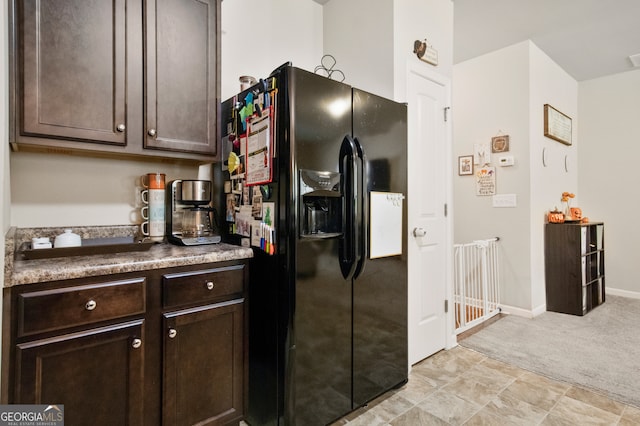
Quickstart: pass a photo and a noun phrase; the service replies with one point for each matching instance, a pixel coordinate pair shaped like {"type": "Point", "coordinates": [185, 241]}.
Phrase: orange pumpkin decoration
{"type": "Point", "coordinates": [576, 213]}
{"type": "Point", "coordinates": [555, 217]}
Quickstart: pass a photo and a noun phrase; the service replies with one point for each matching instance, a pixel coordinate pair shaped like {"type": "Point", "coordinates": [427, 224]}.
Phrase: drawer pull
{"type": "Point", "coordinates": [210, 285]}
{"type": "Point", "coordinates": [172, 333]}
{"type": "Point", "coordinates": [136, 343]}
{"type": "Point", "coordinates": [90, 305]}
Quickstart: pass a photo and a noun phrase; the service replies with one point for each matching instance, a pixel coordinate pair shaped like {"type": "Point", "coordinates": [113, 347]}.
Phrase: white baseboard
{"type": "Point", "coordinates": [526, 313]}
{"type": "Point", "coordinates": [513, 310]}
{"type": "Point", "coordinates": [623, 293]}
{"type": "Point", "coordinates": [452, 342]}
{"type": "Point", "coordinates": [539, 310]}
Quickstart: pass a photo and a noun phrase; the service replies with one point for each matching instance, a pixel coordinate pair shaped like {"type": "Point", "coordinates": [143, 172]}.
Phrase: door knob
{"type": "Point", "coordinates": [136, 343]}
{"type": "Point", "coordinates": [152, 132]}
{"type": "Point", "coordinates": [419, 232]}
{"type": "Point", "coordinates": [121, 128]}
{"type": "Point", "coordinates": [173, 333]}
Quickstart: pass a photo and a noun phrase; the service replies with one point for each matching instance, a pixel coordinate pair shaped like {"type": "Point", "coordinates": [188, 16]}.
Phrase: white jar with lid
{"type": "Point", "coordinates": [67, 239]}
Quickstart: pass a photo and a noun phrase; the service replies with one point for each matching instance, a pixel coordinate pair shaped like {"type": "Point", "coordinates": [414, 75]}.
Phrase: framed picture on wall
{"type": "Point", "coordinates": [557, 125]}
{"type": "Point", "coordinates": [465, 165]}
{"type": "Point", "coordinates": [500, 143]}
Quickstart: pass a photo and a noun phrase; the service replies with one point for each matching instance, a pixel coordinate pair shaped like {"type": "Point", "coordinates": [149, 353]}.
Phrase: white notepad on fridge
{"type": "Point", "coordinates": [385, 223]}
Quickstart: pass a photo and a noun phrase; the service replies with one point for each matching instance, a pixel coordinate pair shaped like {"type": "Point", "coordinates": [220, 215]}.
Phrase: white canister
{"type": "Point", "coordinates": [67, 239]}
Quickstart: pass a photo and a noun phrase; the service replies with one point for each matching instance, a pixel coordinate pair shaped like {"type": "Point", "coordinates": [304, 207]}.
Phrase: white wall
{"type": "Point", "coordinates": [504, 92]}
{"type": "Point", "coordinates": [609, 110]}
{"type": "Point", "coordinates": [417, 20]}
{"type": "Point", "coordinates": [57, 190]}
{"type": "Point", "coordinates": [549, 84]}
{"type": "Point", "coordinates": [491, 97]}
{"type": "Point", "coordinates": [373, 44]}
{"type": "Point", "coordinates": [370, 42]}
{"type": "Point", "coordinates": [259, 36]}
{"type": "Point", "coordinates": [360, 37]}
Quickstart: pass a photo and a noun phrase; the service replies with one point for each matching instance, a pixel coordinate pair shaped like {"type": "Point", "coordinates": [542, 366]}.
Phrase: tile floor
{"type": "Point", "coordinates": [464, 387]}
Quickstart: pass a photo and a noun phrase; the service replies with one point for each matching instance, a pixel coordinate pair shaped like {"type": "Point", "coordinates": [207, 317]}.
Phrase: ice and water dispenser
{"type": "Point", "coordinates": [320, 204]}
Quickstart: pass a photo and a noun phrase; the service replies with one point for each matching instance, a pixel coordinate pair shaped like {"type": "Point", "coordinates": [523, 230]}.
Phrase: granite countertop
{"type": "Point", "coordinates": [161, 255]}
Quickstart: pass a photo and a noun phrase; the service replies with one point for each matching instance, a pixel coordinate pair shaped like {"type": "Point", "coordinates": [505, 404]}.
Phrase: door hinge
{"type": "Point", "coordinates": [446, 113]}
{"type": "Point", "coordinates": [446, 210]}
{"type": "Point", "coordinates": [446, 306]}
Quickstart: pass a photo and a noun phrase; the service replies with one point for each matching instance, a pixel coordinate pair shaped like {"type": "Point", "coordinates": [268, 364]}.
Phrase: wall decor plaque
{"type": "Point", "coordinates": [500, 143]}
{"type": "Point", "coordinates": [486, 180]}
{"type": "Point", "coordinates": [557, 125]}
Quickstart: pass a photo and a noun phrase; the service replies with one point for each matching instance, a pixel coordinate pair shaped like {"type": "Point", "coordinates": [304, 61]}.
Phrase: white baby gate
{"type": "Point", "coordinates": [476, 283]}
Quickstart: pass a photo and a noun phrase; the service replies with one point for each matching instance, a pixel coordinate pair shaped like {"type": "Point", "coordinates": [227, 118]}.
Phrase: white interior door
{"type": "Point", "coordinates": [428, 165]}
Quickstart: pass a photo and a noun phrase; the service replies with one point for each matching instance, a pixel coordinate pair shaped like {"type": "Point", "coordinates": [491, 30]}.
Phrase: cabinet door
{"type": "Point", "coordinates": [96, 374]}
{"type": "Point", "coordinates": [72, 69]}
{"type": "Point", "coordinates": [182, 70]}
{"type": "Point", "coordinates": [204, 365]}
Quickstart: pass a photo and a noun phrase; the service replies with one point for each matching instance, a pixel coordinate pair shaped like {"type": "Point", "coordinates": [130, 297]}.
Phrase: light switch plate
{"type": "Point", "coordinates": [504, 200]}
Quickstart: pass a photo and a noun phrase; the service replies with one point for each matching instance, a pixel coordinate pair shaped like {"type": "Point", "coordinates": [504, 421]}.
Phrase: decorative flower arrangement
{"type": "Point", "coordinates": [570, 213]}
{"type": "Point", "coordinates": [566, 198]}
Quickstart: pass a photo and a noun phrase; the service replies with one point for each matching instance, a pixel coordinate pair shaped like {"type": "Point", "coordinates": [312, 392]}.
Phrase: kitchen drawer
{"type": "Point", "coordinates": [202, 286]}
{"type": "Point", "coordinates": [67, 307]}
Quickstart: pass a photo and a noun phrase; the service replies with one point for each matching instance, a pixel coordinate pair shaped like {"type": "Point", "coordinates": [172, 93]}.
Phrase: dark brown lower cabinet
{"type": "Point", "coordinates": [574, 267]}
{"type": "Point", "coordinates": [96, 374]}
{"type": "Point", "coordinates": [204, 386]}
{"type": "Point", "coordinates": [166, 346]}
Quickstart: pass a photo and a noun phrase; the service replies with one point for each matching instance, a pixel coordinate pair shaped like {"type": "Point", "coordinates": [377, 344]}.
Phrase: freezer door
{"type": "Point", "coordinates": [380, 290]}
{"type": "Point", "coordinates": [319, 367]}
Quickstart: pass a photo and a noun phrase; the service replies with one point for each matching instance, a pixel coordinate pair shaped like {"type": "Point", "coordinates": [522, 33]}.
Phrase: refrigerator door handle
{"type": "Point", "coordinates": [362, 216]}
{"type": "Point", "coordinates": [348, 247]}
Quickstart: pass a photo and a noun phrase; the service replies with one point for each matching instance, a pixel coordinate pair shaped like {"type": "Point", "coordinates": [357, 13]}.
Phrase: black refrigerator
{"type": "Point", "coordinates": [327, 316]}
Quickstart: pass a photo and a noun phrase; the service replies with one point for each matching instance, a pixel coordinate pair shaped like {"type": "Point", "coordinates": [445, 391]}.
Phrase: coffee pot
{"type": "Point", "coordinates": [196, 221]}
{"type": "Point", "coordinates": [190, 217]}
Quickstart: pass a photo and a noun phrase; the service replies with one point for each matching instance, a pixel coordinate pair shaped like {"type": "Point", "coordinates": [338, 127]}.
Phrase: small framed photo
{"type": "Point", "coordinates": [500, 143]}
{"type": "Point", "coordinates": [465, 165]}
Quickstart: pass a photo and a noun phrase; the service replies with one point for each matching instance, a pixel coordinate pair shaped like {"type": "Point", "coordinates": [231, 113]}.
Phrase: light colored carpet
{"type": "Point", "coordinates": [599, 351]}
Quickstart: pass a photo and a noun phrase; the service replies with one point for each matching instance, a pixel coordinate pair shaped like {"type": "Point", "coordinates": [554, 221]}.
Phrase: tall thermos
{"type": "Point", "coordinates": [153, 211]}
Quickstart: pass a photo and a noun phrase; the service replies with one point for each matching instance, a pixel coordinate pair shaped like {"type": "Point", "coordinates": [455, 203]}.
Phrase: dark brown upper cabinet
{"type": "Point", "coordinates": [119, 77]}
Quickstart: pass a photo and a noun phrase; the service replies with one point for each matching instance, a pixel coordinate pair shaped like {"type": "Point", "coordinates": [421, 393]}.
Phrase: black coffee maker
{"type": "Point", "coordinates": [189, 215]}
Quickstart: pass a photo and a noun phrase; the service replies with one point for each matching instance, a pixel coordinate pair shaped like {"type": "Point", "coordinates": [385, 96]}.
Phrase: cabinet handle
{"type": "Point", "coordinates": [172, 333]}
{"type": "Point", "coordinates": [152, 132]}
{"type": "Point", "coordinates": [90, 305]}
{"type": "Point", "coordinates": [136, 343]}
{"type": "Point", "coordinates": [210, 285]}
{"type": "Point", "coordinates": [121, 127]}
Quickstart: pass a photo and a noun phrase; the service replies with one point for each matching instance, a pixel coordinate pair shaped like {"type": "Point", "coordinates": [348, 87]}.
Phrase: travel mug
{"type": "Point", "coordinates": [154, 197]}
